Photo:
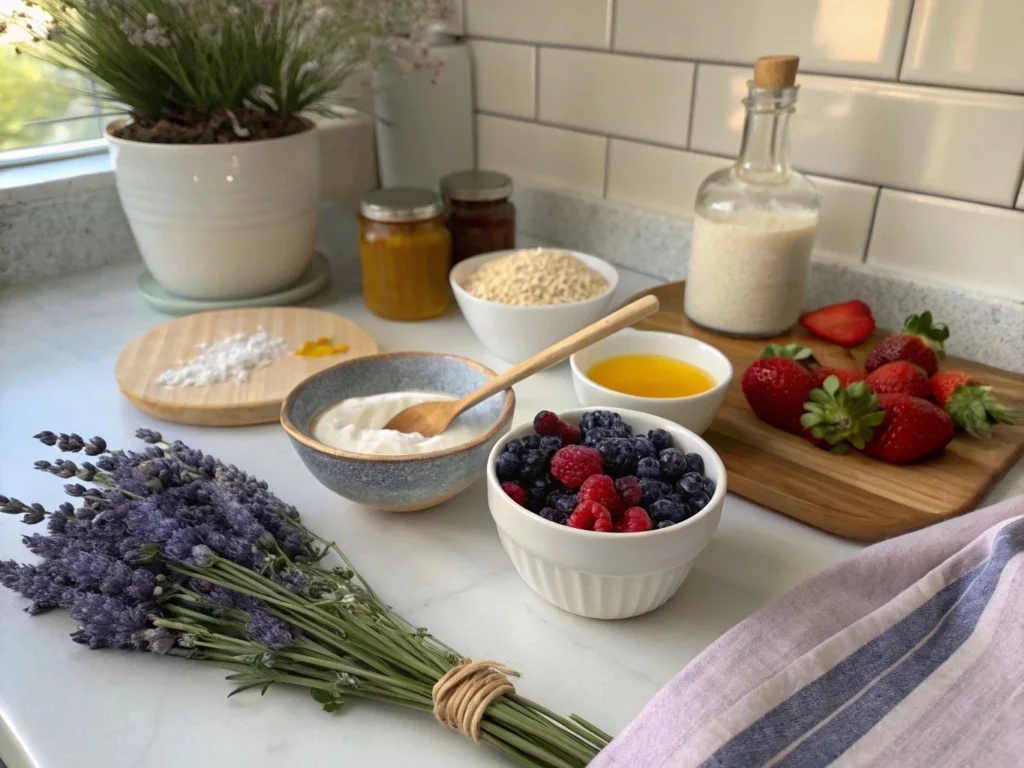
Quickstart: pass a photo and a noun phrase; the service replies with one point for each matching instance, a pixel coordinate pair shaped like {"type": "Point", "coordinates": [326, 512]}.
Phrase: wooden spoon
{"type": "Point", "coordinates": [433, 418]}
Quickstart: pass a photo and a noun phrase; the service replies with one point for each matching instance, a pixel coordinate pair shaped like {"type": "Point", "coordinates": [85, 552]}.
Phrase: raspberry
{"type": "Point", "coordinates": [570, 433]}
{"type": "Point", "coordinates": [601, 488]}
{"type": "Point", "coordinates": [588, 515]}
{"type": "Point", "coordinates": [604, 525]}
{"type": "Point", "coordinates": [634, 520]}
{"type": "Point", "coordinates": [573, 464]}
{"type": "Point", "coordinates": [546, 423]}
{"type": "Point", "coordinates": [629, 489]}
{"type": "Point", "coordinates": [516, 492]}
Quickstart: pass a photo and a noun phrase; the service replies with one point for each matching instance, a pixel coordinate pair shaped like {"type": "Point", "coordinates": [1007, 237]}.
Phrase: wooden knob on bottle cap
{"type": "Point", "coordinates": [776, 71]}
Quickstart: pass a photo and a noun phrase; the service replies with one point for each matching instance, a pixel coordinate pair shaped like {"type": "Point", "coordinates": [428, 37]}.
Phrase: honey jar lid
{"type": "Point", "coordinates": [401, 204]}
{"type": "Point", "coordinates": [476, 186]}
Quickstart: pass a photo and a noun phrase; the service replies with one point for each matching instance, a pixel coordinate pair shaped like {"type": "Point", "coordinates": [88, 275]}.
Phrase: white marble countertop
{"type": "Point", "coordinates": [62, 705]}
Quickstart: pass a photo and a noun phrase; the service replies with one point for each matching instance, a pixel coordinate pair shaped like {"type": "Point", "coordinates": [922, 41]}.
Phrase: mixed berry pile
{"type": "Point", "coordinates": [600, 476]}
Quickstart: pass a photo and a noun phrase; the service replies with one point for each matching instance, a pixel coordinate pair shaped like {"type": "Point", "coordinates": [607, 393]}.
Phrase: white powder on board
{"type": "Point", "coordinates": [230, 359]}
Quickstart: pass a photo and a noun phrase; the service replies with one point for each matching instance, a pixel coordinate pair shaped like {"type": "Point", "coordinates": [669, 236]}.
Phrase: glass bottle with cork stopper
{"type": "Point", "coordinates": [754, 222]}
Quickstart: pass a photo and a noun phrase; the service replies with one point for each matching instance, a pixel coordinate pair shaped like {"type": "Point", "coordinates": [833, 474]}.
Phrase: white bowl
{"type": "Point", "coordinates": [694, 412]}
{"type": "Point", "coordinates": [606, 575]}
{"type": "Point", "coordinates": [515, 333]}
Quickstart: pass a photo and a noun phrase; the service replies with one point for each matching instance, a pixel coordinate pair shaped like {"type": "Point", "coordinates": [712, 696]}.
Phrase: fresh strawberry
{"type": "Point", "coordinates": [846, 324]}
{"type": "Point", "coordinates": [897, 428]}
{"type": "Point", "coordinates": [901, 376]}
{"type": "Point", "coordinates": [972, 406]}
{"type": "Point", "coordinates": [777, 386]}
{"type": "Point", "coordinates": [846, 376]}
{"type": "Point", "coordinates": [920, 342]}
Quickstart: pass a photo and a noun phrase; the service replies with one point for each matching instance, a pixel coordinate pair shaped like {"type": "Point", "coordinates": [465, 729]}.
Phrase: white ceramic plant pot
{"type": "Point", "coordinates": [222, 221]}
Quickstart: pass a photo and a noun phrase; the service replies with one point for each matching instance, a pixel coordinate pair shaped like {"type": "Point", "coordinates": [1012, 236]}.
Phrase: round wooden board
{"type": "Point", "coordinates": [231, 403]}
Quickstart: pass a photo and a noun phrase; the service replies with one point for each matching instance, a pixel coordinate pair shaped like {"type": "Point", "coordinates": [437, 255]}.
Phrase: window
{"type": "Point", "coordinates": [45, 111]}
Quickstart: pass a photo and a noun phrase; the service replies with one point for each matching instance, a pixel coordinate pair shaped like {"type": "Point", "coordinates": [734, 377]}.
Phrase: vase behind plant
{"type": "Point", "coordinates": [221, 221]}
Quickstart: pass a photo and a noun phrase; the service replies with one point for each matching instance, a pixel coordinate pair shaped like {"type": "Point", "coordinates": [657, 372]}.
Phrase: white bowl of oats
{"type": "Point", "coordinates": [519, 302]}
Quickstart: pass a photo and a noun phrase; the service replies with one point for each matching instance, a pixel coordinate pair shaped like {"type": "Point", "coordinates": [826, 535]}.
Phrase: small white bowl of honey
{"type": "Point", "coordinates": [679, 378]}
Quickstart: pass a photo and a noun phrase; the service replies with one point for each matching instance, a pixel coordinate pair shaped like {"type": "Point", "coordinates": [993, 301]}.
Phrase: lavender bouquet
{"type": "Point", "coordinates": [172, 552]}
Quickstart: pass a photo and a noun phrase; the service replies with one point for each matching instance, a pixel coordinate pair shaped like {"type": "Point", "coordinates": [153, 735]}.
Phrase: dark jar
{"type": "Point", "coordinates": [480, 217]}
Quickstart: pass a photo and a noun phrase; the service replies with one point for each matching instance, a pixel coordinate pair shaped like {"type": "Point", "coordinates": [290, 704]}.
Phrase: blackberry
{"type": "Point", "coordinates": [660, 438]}
{"type": "Point", "coordinates": [648, 467]}
{"type": "Point", "coordinates": [697, 503]}
{"type": "Point", "coordinates": [554, 515]}
{"type": "Point", "coordinates": [514, 446]}
{"type": "Point", "coordinates": [550, 444]}
{"type": "Point", "coordinates": [594, 436]}
{"type": "Point", "coordinates": [690, 484]}
{"type": "Point", "coordinates": [664, 524]}
{"type": "Point", "coordinates": [673, 464]}
{"type": "Point", "coordinates": [507, 466]}
{"type": "Point", "coordinates": [642, 446]}
{"type": "Point", "coordinates": [663, 509]}
{"type": "Point", "coordinates": [695, 463]}
{"type": "Point", "coordinates": [532, 464]}
{"type": "Point", "coordinates": [566, 504]}
{"type": "Point", "coordinates": [531, 442]}
{"type": "Point", "coordinates": [651, 492]}
{"type": "Point", "coordinates": [619, 459]}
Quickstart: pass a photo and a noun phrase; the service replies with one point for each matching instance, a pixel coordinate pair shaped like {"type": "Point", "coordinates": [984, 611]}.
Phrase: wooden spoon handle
{"type": "Point", "coordinates": [556, 353]}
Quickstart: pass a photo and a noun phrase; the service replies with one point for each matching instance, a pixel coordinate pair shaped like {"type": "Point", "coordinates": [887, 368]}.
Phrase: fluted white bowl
{"type": "Point", "coordinates": [606, 575]}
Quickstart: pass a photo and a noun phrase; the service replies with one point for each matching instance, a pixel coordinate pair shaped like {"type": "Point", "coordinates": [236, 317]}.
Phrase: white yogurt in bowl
{"type": "Point", "coordinates": [356, 425]}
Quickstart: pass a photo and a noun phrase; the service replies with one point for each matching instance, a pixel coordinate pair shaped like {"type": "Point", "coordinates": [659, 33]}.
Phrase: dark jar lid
{"type": "Point", "coordinates": [401, 204]}
{"type": "Point", "coordinates": [476, 186]}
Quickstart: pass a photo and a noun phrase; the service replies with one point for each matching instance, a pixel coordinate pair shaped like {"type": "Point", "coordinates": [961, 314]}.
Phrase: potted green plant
{"type": "Point", "coordinates": [217, 163]}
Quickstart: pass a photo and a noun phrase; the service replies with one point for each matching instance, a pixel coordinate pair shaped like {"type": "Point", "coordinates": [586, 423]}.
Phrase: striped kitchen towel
{"type": "Point", "coordinates": [910, 654]}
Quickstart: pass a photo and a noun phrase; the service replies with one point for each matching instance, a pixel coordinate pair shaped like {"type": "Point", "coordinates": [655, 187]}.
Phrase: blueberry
{"type": "Point", "coordinates": [673, 464]}
{"type": "Point", "coordinates": [537, 492]}
{"type": "Point", "coordinates": [514, 446]}
{"type": "Point", "coordinates": [619, 459]}
{"type": "Point", "coordinates": [651, 491]}
{"type": "Point", "coordinates": [507, 466]}
{"type": "Point", "coordinates": [664, 524]}
{"type": "Point", "coordinates": [531, 442]}
{"type": "Point", "coordinates": [566, 504]}
{"type": "Point", "coordinates": [660, 438]}
{"type": "Point", "coordinates": [676, 499]}
{"type": "Point", "coordinates": [554, 515]}
{"type": "Point", "coordinates": [589, 420]}
{"type": "Point", "coordinates": [666, 488]}
{"type": "Point", "coordinates": [663, 509]}
{"type": "Point", "coordinates": [550, 444]}
{"type": "Point", "coordinates": [698, 502]}
{"type": "Point", "coordinates": [595, 436]}
{"type": "Point", "coordinates": [691, 483]}
{"type": "Point", "coordinates": [695, 463]}
{"type": "Point", "coordinates": [648, 467]}
{"type": "Point", "coordinates": [681, 515]}
{"type": "Point", "coordinates": [642, 446]}
{"type": "Point", "coordinates": [532, 464]}
{"type": "Point", "coordinates": [621, 429]}
{"type": "Point", "coordinates": [709, 486]}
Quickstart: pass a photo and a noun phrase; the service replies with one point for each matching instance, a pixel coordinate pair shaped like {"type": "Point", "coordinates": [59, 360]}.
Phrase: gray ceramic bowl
{"type": "Point", "coordinates": [395, 483]}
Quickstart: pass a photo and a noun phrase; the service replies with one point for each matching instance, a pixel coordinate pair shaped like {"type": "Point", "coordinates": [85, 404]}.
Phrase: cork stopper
{"type": "Point", "coordinates": [775, 71]}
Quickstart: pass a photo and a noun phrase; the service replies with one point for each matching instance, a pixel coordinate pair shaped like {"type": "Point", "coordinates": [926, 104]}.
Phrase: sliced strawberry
{"type": "Point", "coordinates": [847, 324]}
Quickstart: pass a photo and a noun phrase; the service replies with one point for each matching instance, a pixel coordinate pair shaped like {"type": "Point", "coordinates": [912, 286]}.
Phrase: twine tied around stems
{"type": "Point", "coordinates": [462, 696]}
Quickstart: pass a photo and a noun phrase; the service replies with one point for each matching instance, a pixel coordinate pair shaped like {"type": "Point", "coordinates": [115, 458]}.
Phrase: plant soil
{"type": "Point", "coordinates": [188, 127]}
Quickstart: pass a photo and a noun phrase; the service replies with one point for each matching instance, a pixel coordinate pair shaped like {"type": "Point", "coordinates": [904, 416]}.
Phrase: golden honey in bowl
{"type": "Point", "coordinates": [650, 376]}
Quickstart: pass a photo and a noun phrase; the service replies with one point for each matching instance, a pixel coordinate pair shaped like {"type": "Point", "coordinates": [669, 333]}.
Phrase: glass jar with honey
{"type": "Point", "coordinates": [405, 251]}
{"type": "Point", "coordinates": [481, 218]}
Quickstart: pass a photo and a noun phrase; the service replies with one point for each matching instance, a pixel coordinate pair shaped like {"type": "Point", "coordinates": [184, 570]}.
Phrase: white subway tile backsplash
{"type": "Point", "coordinates": [974, 246]}
{"type": "Point", "coordinates": [977, 43]}
{"type": "Point", "coordinates": [657, 178]}
{"type": "Point", "coordinates": [585, 23]}
{"type": "Point", "coordinates": [667, 180]}
{"type": "Point", "coordinates": [850, 37]}
{"type": "Point", "coordinates": [504, 77]}
{"type": "Point", "coordinates": [537, 153]}
{"type": "Point", "coordinates": [626, 95]}
{"type": "Point", "coordinates": [964, 144]}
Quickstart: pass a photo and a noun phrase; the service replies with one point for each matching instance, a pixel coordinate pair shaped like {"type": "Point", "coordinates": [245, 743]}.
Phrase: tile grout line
{"type": "Point", "coordinates": [693, 107]}
{"type": "Point", "coordinates": [676, 148]}
{"type": "Point", "coordinates": [607, 166]}
{"type": "Point", "coordinates": [609, 35]}
{"type": "Point", "coordinates": [536, 82]}
{"type": "Point", "coordinates": [906, 40]}
{"type": "Point", "coordinates": [746, 65]}
{"type": "Point", "coordinates": [871, 226]}
{"type": "Point", "coordinates": [1020, 187]}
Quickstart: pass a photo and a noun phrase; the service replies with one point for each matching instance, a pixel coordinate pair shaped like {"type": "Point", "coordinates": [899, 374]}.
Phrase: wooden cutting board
{"type": "Point", "coordinates": [232, 403]}
{"type": "Point", "coordinates": [850, 495]}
